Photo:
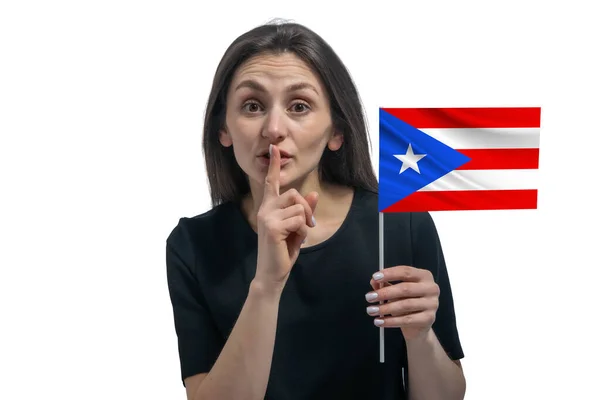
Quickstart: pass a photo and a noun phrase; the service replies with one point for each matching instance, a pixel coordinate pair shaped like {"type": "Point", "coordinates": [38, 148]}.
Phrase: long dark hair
{"type": "Point", "coordinates": [350, 165]}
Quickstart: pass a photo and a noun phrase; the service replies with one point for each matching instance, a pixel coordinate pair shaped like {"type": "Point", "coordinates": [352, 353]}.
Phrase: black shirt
{"type": "Point", "coordinates": [326, 345]}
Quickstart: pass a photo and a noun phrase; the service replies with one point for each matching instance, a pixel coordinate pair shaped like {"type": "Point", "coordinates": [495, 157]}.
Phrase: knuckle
{"type": "Point", "coordinates": [295, 222]}
{"type": "Point", "coordinates": [404, 290]}
{"type": "Point", "coordinates": [300, 228]}
{"type": "Point", "coordinates": [408, 319]}
{"type": "Point", "coordinates": [408, 305]}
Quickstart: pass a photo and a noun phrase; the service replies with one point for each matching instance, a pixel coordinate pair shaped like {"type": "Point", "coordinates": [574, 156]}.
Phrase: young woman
{"type": "Point", "coordinates": [276, 291]}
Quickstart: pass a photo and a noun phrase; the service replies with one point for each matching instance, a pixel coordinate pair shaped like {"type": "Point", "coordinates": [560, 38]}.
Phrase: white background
{"type": "Point", "coordinates": [101, 107]}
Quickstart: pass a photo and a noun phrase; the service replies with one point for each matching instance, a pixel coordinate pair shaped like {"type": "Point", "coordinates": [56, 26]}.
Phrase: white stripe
{"type": "Point", "coordinates": [486, 180]}
{"type": "Point", "coordinates": [487, 138]}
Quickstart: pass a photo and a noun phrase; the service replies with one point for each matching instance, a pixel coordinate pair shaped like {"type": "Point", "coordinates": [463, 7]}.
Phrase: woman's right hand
{"type": "Point", "coordinates": [282, 224]}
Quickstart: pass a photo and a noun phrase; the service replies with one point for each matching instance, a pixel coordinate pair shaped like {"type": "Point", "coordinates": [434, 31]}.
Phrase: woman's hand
{"type": "Point", "coordinates": [282, 224]}
{"type": "Point", "coordinates": [410, 305]}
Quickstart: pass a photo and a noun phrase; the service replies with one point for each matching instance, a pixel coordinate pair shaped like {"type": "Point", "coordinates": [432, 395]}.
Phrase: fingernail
{"type": "Point", "coordinates": [304, 241]}
{"type": "Point", "coordinates": [377, 276]}
{"type": "Point", "coordinates": [270, 149]}
{"type": "Point", "coordinates": [372, 310]}
{"type": "Point", "coordinates": [378, 322]}
{"type": "Point", "coordinates": [314, 221]}
{"type": "Point", "coordinates": [371, 296]}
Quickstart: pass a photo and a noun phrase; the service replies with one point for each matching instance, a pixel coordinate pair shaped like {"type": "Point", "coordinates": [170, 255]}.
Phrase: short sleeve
{"type": "Point", "coordinates": [198, 339]}
{"type": "Point", "coordinates": [428, 254]}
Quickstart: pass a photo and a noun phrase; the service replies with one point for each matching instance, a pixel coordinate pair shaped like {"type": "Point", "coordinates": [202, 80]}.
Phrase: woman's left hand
{"type": "Point", "coordinates": [410, 305]}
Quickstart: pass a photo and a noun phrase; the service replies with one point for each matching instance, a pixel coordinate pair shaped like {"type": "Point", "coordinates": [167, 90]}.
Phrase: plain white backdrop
{"type": "Point", "coordinates": [101, 107]}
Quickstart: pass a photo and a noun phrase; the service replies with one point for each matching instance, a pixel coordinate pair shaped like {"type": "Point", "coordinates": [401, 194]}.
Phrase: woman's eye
{"type": "Point", "coordinates": [299, 107]}
{"type": "Point", "coordinates": [252, 107]}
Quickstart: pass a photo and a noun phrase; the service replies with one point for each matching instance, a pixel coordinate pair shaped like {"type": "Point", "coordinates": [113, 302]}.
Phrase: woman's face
{"type": "Point", "coordinates": [277, 99]}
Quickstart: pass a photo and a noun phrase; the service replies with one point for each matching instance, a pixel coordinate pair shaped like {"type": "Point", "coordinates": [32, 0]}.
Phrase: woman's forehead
{"type": "Point", "coordinates": [285, 67]}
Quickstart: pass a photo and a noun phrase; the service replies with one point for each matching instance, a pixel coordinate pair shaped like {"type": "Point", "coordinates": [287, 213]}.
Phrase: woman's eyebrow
{"type": "Point", "coordinates": [252, 84]}
{"type": "Point", "coordinates": [301, 86]}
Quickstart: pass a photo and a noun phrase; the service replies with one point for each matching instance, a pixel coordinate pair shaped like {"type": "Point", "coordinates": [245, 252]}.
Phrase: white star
{"type": "Point", "coordinates": [409, 160]}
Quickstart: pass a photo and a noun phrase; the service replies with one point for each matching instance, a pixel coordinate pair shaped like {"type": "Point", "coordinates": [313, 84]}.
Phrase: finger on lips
{"type": "Point", "coordinates": [272, 178]}
{"type": "Point", "coordinates": [291, 197]}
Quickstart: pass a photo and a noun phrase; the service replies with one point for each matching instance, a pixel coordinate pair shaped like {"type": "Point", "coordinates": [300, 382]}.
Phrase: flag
{"type": "Point", "coordinates": [450, 159]}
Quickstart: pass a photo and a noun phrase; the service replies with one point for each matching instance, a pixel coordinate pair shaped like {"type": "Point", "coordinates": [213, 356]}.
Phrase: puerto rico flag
{"type": "Point", "coordinates": [450, 159]}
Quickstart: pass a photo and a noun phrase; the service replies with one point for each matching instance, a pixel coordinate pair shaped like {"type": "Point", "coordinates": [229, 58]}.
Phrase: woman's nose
{"type": "Point", "coordinates": [275, 128]}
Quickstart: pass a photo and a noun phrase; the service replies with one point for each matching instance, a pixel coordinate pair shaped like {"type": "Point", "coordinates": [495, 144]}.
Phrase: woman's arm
{"type": "Point", "coordinates": [243, 367]}
{"type": "Point", "coordinates": [432, 374]}
{"type": "Point", "coordinates": [421, 305]}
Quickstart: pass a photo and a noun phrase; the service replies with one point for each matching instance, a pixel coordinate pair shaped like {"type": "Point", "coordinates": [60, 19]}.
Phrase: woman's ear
{"type": "Point", "coordinates": [336, 141]}
{"type": "Point", "coordinates": [225, 138]}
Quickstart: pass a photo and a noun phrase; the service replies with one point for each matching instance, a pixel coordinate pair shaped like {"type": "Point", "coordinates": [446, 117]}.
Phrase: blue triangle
{"type": "Point", "coordinates": [394, 137]}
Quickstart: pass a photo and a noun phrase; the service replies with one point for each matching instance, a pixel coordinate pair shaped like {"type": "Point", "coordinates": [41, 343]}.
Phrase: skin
{"type": "Point", "coordinates": [277, 104]}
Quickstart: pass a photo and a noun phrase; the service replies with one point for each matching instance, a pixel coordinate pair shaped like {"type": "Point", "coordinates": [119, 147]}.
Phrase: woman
{"type": "Point", "coordinates": [275, 291]}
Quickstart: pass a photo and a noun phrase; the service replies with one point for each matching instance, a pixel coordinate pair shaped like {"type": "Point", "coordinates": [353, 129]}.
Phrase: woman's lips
{"type": "Point", "coordinates": [264, 160]}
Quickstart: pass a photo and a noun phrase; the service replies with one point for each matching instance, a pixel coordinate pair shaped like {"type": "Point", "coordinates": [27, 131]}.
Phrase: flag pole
{"type": "Point", "coordinates": [381, 329]}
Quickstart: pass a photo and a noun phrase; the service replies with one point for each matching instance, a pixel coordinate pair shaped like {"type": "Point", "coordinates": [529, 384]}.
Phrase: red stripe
{"type": "Point", "coordinates": [482, 117]}
{"type": "Point", "coordinates": [501, 158]}
{"type": "Point", "coordinates": [461, 200]}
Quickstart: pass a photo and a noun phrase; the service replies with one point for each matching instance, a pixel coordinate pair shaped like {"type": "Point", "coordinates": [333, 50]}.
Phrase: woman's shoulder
{"type": "Point", "coordinates": [205, 226]}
